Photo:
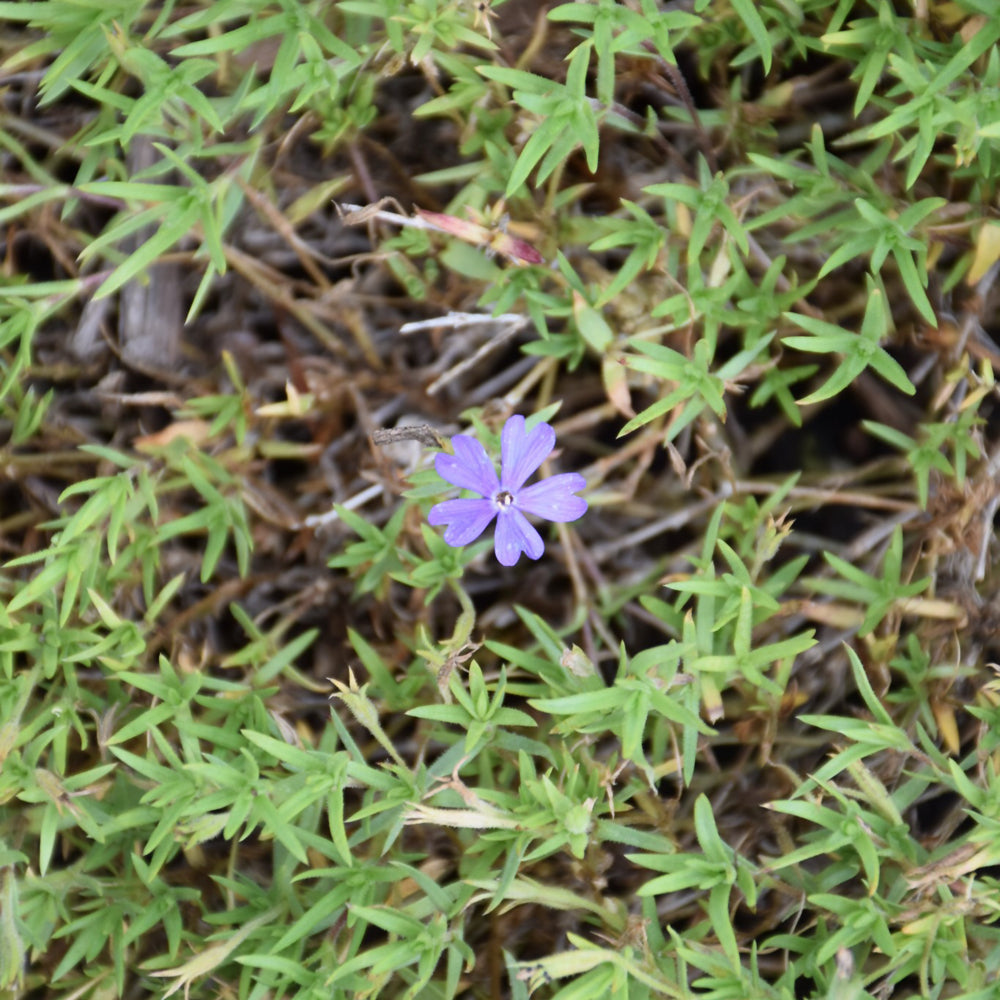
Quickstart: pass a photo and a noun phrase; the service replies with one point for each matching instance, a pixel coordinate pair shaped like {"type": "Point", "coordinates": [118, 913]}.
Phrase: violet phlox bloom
{"type": "Point", "coordinates": [507, 498]}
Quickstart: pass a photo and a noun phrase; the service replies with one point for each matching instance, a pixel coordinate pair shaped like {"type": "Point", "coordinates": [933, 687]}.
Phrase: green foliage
{"type": "Point", "coordinates": [565, 115]}
{"type": "Point", "coordinates": [859, 351]}
{"type": "Point", "coordinates": [876, 594]}
{"type": "Point", "coordinates": [376, 554]}
{"type": "Point", "coordinates": [257, 748]}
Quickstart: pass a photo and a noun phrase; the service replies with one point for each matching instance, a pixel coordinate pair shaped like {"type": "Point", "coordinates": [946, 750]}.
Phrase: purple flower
{"type": "Point", "coordinates": [506, 498]}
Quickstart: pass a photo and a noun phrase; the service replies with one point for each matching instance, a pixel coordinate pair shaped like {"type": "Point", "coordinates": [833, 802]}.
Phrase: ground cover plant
{"type": "Point", "coordinates": [305, 304]}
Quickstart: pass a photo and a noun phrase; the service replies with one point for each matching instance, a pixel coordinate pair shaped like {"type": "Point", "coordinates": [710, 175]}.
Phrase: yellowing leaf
{"type": "Point", "coordinates": [987, 252]}
{"type": "Point", "coordinates": [615, 378]}
{"type": "Point", "coordinates": [944, 715]}
{"type": "Point", "coordinates": [207, 961]}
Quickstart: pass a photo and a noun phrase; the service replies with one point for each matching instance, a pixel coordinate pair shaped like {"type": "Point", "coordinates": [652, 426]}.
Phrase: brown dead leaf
{"type": "Point", "coordinates": [196, 431]}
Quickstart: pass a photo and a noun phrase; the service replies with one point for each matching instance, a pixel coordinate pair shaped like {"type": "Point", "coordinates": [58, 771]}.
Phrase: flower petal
{"type": "Point", "coordinates": [522, 453]}
{"type": "Point", "coordinates": [469, 467]}
{"type": "Point", "coordinates": [515, 535]}
{"type": "Point", "coordinates": [466, 519]}
{"type": "Point", "coordinates": [553, 498]}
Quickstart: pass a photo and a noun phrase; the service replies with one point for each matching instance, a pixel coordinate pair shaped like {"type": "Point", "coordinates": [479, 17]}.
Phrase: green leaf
{"type": "Point", "coordinates": [753, 22]}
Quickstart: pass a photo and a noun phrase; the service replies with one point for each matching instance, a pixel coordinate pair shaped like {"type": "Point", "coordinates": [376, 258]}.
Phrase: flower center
{"type": "Point", "coordinates": [504, 498]}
